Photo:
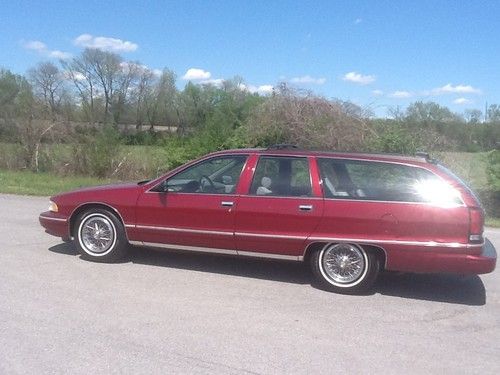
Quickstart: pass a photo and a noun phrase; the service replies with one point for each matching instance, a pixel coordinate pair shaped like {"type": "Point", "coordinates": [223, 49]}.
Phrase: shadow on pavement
{"type": "Point", "coordinates": [464, 290]}
{"type": "Point", "coordinates": [290, 272]}
{"type": "Point", "coordinates": [66, 248]}
{"type": "Point", "coordinates": [457, 289]}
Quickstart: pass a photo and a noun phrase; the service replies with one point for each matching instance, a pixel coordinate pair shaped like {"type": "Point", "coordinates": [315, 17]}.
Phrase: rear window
{"type": "Point", "coordinates": [365, 180]}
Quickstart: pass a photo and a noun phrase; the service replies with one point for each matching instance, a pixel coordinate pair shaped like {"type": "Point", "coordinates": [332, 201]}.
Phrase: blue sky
{"type": "Point", "coordinates": [374, 53]}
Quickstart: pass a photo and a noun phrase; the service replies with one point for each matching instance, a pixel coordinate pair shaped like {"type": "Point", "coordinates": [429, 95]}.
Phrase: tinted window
{"type": "Point", "coordinates": [282, 176]}
{"type": "Point", "coordinates": [218, 175]}
{"type": "Point", "coordinates": [350, 179]}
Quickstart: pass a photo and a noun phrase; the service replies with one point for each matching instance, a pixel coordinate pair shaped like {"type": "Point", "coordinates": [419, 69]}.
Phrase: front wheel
{"type": "Point", "coordinates": [345, 268]}
{"type": "Point", "coordinates": [100, 236]}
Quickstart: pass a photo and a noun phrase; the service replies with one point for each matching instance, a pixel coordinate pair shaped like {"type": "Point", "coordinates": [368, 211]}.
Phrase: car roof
{"type": "Point", "coordinates": [397, 158]}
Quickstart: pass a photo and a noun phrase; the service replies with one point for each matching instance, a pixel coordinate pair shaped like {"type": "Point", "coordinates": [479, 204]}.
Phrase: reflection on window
{"type": "Point", "coordinates": [363, 180]}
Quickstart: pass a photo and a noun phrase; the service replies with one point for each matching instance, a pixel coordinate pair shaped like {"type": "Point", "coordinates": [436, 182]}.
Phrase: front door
{"type": "Point", "coordinates": [194, 208]}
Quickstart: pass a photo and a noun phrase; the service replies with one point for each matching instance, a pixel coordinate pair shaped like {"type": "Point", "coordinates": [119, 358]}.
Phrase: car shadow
{"type": "Point", "coordinates": [455, 289]}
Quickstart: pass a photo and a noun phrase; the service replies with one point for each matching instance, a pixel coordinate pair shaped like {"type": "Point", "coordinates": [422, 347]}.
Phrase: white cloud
{"type": "Point", "coordinates": [36, 45]}
{"type": "Point", "coordinates": [462, 101]}
{"type": "Point", "coordinates": [195, 74]}
{"type": "Point", "coordinates": [357, 21]}
{"type": "Point", "coordinates": [400, 94]}
{"type": "Point", "coordinates": [377, 92]}
{"type": "Point", "coordinates": [105, 43]}
{"type": "Point", "coordinates": [42, 49]}
{"type": "Point", "coordinates": [60, 55]}
{"type": "Point", "coordinates": [263, 89]}
{"type": "Point", "coordinates": [358, 78]}
{"type": "Point", "coordinates": [157, 72]}
{"type": "Point", "coordinates": [458, 89]}
{"type": "Point", "coordinates": [213, 81]}
{"type": "Point", "coordinates": [307, 79]}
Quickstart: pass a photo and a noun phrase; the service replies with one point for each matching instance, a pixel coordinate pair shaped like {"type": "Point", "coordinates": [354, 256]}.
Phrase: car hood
{"type": "Point", "coordinates": [99, 190]}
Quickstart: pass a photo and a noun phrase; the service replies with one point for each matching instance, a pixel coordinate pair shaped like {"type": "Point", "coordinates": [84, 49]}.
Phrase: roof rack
{"type": "Point", "coordinates": [283, 146]}
{"type": "Point", "coordinates": [426, 156]}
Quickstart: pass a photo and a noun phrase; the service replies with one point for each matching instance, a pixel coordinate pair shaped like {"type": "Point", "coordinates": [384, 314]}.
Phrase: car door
{"type": "Point", "coordinates": [194, 209]}
{"type": "Point", "coordinates": [281, 208]}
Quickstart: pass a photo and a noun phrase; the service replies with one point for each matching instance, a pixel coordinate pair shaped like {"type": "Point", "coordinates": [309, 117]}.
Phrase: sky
{"type": "Point", "coordinates": [377, 54]}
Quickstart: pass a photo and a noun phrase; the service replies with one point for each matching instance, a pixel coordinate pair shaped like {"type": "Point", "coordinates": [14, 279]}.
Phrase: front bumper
{"type": "Point", "coordinates": [55, 224]}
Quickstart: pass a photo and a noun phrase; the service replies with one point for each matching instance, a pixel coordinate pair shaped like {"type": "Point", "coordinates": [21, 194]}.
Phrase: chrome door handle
{"type": "Point", "coordinates": [227, 204]}
{"type": "Point", "coordinates": [305, 207]}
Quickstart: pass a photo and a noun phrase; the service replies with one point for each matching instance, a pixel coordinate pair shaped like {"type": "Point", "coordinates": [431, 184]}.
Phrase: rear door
{"type": "Point", "coordinates": [281, 208]}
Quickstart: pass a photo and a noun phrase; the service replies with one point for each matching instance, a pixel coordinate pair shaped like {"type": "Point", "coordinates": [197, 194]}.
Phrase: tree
{"type": "Point", "coordinates": [494, 113]}
{"type": "Point", "coordinates": [307, 120]}
{"type": "Point", "coordinates": [473, 116]}
{"type": "Point", "coordinates": [105, 69]}
{"type": "Point", "coordinates": [429, 112]}
{"type": "Point", "coordinates": [161, 101]}
{"type": "Point", "coordinates": [47, 82]}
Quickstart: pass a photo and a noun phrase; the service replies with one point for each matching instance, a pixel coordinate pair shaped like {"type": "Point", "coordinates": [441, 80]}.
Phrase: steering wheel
{"type": "Point", "coordinates": [205, 178]}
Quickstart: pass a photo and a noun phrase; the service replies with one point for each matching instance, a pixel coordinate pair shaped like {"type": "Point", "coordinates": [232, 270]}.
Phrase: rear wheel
{"type": "Point", "coordinates": [345, 268]}
{"type": "Point", "coordinates": [100, 236]}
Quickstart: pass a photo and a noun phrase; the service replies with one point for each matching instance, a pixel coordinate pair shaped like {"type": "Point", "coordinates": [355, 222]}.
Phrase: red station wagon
{"type": "Point", "coordinates": [349, 215]}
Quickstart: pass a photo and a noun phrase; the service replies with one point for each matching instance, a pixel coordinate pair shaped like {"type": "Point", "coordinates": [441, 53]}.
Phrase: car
{"type": "Point", "coordinates": [349, 215]}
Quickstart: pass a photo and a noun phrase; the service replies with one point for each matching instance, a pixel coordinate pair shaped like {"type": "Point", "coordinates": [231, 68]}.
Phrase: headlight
{"type": "Point", "coordinates": [53, 207]}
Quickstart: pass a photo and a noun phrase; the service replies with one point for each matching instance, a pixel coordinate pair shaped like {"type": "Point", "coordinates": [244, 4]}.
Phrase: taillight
{"type": "Point", "coordinates": [476, 224]}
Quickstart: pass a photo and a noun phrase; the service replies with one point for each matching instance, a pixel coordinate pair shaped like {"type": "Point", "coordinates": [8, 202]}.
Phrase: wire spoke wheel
{"type": "Point", "coordinates": [343, 263]}
{"type": "Point", "coordinates": [97, 234]}
{"type": "Point", "coordinates": [345, 267]}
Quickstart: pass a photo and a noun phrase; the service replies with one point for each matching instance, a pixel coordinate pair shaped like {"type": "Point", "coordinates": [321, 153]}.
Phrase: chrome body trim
{"type": "Point", "coordinates": [263, 235]}
{"type": "Point", "coordinates": [367, 241]}
{"type": "Point", "coordinates": [183, 230]}
{"type": "Point", "coordinates": [216, 250]}
{"type": "Point", "coordinates": [54, 218]}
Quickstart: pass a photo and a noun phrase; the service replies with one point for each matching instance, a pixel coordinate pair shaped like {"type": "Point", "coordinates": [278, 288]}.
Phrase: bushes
{"type": "Point", "coordinates": [493, 170]}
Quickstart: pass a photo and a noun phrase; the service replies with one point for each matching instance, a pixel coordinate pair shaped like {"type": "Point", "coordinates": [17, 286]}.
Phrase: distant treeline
{"type": "Point", "coordinates": [102, 90]}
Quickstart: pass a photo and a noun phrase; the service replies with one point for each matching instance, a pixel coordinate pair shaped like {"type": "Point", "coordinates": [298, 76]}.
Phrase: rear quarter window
{"type": "Point", "coordinates": [380, 181]}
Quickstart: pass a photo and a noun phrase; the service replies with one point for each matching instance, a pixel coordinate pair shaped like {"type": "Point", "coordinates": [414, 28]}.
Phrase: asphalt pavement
{"type": "Point", "coordinates": [169, 312]}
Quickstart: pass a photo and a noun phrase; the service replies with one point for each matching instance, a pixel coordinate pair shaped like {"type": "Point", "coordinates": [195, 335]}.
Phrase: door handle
{"type": "Point", "coordinates": [306, 207]}
{"type": "Point", "coordinates": [227, 204]}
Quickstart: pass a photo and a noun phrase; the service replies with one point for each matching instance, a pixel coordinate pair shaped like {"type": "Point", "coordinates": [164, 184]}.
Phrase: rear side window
{"type": "Point", "coordinates": [282, 176]}
{"type": "Point", "coordinates": [364, 180]}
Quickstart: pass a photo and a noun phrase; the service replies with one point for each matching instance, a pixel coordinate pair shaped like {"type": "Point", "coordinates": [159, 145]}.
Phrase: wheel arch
{"type": "Point", "coordinates": [86, 206]}
{"type": "Point", "coordinates": [379, 251]}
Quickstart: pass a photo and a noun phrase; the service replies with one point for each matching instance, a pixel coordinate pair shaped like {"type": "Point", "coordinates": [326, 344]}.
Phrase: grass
{"type": "Point", "coordinates": [493, 222]}
{"type": "Point", "coordinates": [43, 184]}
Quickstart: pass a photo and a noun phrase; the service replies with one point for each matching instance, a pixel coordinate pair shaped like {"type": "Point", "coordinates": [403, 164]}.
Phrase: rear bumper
{"type": "Point", "coordinates": [484, 262]}
{"type": "Point", "coordinates": [434, 261]}
{"type": "Point", "coordinates": [54, 224]}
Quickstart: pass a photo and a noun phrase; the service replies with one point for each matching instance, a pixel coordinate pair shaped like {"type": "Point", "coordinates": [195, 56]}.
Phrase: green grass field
{"type": "Point", "coordinates": [149, 161]}
{"type": "Point", "coordinates": [43, 184]}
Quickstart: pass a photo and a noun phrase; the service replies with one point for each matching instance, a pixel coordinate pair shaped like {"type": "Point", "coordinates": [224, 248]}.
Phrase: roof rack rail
{"type": "Point", "coordinates": [283, 146]}
{"type": "Point", "coordinates": [426, 156]}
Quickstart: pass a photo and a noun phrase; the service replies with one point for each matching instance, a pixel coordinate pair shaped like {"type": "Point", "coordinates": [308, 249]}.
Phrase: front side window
{"type": "Point", "coordinates": [364, 180]}
{"type": "Point", "coordinates": [219, 175]}
{"type": "Point", "coordinates": [282, 176]}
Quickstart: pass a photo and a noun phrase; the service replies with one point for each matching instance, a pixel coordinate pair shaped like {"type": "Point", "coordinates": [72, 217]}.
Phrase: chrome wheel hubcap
{"type": "Point", "coordinates": [343, 263]}
{"type": "Point", "coordinates": [97, 234]}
